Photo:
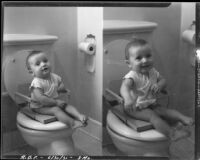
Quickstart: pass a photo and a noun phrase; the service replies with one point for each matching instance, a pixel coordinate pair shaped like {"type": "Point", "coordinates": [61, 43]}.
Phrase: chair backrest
{"type": "Point", "coordinates": [115, 85]}
{"type": "Point", "coordinates": [24, 89]}
{"type": "Point", "coordinates": [112, 93]}
{"type": "Point", "coordinates": [23, 93]}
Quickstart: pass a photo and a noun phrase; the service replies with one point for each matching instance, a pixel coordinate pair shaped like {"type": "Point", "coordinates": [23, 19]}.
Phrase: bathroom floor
{"type": "Point", "coordinates": [180, 150]}
{"type": "Point", "coordinates": [84, 144]}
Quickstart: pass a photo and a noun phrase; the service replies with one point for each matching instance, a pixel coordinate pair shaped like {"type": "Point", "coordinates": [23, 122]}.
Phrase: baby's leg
{"type": "Point", "coordinates": [74, 112]}
{"type": "Point", "coordinates": [174, 115]}
{"type": "Point", "coordinates": [158, 123]}
{"type": "Point", "coordinates": [58, 113]}
{"type": "Point", "coordinates": [150, 116]}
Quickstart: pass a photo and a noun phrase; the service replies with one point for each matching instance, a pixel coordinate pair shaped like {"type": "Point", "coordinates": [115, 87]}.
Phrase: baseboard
{"type": "Point", "coordinates": [93, 129]}
{"type": "Point", "coordinates": [88, 139]}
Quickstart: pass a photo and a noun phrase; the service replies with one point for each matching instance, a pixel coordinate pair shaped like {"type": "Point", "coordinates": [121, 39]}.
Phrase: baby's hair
{"type": "Point", "coordinates": [31, 53]}
{"type": "Point", "coordinates": [135, 42]}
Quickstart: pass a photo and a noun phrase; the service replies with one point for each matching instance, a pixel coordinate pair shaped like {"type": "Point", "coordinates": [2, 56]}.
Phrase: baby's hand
{"type": "Point", "coordinates": [60, 103]}
{"type": "Point", "coordinates": [155, 88]}
{"type": "Point", "coordinates": [129, 106]}
{"type": "Point", "coordinates": [139, 107]}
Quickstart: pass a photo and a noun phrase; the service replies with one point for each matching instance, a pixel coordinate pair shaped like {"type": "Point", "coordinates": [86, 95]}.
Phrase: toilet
{"type": "Point", "coordinates": [132, 142]}
{"type": "Point", "coordinates": [53, 138]}
{"type": "Point", "coordinates": [117, 33]}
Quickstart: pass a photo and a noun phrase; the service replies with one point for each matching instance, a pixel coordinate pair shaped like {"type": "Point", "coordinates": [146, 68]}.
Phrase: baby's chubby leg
{"type": "Point", "coordinates": [174, 115]}
{"type": "Point", "coordinates": [159, 124]}
{"type": "Point", "coordinates": [58, 113]}
{"type": "Point", "coordinates": [150, 116]}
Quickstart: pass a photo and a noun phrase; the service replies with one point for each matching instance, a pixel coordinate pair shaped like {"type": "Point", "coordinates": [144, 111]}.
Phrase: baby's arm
{"type": "Point", "coordinates": [159, 86]}
{"type": "Point", "coordinates": [63, 92]}
{"type": "Point", "coordinates": [161, 83]}
{"type": "Point", "coordinates": [125, 90]}
{"type": "Point", "coordinates": [61, 88]}
{"type": "Point", "coordinates": [45, 100]}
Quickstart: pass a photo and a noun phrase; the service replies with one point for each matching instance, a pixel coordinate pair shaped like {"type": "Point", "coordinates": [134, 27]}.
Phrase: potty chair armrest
{"type": "Point", "coordinates": [115, 96]}
{"type": "Point", "coordinates": [65, 91]}
{"type": "Point", "coordinates": [164, 96]}
{"type": "Point", "coordinates": [118, 111]}
{"type": "Point", "coordinates": [22, 99]}
{"type": "Point", "coordinates": [64, 94]}
{"type": "Point", "coordinates": [68, 92]}
{"type": "Point", "coordinates": [164, 91]}
{"type": "Point", "coordinates": [28, 112]}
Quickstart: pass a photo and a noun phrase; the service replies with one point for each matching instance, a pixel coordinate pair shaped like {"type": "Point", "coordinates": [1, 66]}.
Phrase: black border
{"type": "Point", "coordinates": [197, 86]}
{"type": "Point", "coordinates": [86, 4]}
{"type": "Point", "coordinates": [116, 4]}
{"type": "Point", "coordinates": [52, 157]}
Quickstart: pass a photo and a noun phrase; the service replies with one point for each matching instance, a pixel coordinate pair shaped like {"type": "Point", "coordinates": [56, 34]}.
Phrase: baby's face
{"type": "Point", "coordinates": [141, 59]}
{"type": "Point", "coordinates": [40, 65]}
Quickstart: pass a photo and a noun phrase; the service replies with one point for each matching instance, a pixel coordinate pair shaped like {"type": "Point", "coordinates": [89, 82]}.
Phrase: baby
{"type": "Point", "coordinates": [140, 87]}
{"type": "Point", "coordinates": [45, 90]}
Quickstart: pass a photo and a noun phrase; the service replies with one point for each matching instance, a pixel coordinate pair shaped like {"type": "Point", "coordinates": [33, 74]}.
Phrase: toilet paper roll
{"type": "Point", "coordinates": [87, 47]}
{"type": "Point", "coordinates": [189, 36]}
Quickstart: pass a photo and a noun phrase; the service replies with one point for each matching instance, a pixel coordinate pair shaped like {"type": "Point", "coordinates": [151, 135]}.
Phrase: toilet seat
{"type": "Point", "coordinates": [16, 74]}
{"type": "Point", "coordinates": [29, 123]}
{"type": "Point", "coordinates": [120, 128]}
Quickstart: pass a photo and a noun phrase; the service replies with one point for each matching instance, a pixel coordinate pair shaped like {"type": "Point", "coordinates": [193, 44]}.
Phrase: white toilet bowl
{"type": "Point", "coordinates": [131, 142]}
{"type": "Point", "coordinates": [54, 138]}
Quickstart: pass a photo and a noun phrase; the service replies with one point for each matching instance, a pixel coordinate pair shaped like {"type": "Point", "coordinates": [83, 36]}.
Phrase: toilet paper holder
{"type": "Point", "coordinates": [88, 46]}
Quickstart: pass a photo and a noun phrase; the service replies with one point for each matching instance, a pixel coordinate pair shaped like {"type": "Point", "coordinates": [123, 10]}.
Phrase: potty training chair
{"type": "Point", "coordinates": [24, 104]}
{"type": "Point", "coordinates": [131, 136]}
{"type": "Point", "coordinates": [43, 132]}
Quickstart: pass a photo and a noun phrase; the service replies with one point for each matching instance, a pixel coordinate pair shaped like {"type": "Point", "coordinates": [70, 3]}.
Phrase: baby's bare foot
{"type": "Point", "coordinates": [188, 121]}
{"type": "Point", "coordinates": [83, 119]}
{"type": "Point", "coordinates": [77, 124]}
{"type": "Point", "coordinates": [179, 126]}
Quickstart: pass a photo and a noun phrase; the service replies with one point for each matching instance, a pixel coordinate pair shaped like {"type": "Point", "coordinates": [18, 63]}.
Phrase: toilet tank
{"type": "Point", "coordinates": [15, 46]}
{"type": "Point", "coordinates": [125, 29]}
